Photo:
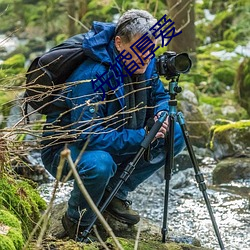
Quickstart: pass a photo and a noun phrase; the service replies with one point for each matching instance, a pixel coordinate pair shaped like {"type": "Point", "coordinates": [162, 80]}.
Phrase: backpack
{"type": "Point", "coordinates": [48, 73]}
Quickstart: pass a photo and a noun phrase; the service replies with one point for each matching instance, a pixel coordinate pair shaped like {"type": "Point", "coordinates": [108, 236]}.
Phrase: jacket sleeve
{"type": "Point", "coordinates": [88, 120]}
{"type": "Point", "coordinates": [159, 95]}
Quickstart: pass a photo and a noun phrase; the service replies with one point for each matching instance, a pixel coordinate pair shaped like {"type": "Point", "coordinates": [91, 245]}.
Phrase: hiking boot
{"type": "Point", "coordinates": [121, 211]}
{"type": "Point", "coordinates": [75, 231]}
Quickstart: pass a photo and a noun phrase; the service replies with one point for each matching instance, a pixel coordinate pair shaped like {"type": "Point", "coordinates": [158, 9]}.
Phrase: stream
{"type": "Point", "coordinates": [187, 212]}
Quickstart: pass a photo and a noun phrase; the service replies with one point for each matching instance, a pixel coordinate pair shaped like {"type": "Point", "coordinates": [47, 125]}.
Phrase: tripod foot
{"type": "Point", "coordinates": [164, 232]}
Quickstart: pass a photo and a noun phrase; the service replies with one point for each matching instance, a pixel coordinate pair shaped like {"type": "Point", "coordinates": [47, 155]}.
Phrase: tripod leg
{"type": "Point", "coordinates": [129, 168]}
{"type": "Point", "coordinates": [168, 173]}
{"type": "Point", "coordinates": [199, 177]}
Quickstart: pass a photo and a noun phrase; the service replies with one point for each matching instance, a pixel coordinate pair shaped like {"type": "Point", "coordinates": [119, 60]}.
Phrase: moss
{"type": "Point", "coordinates": [128, 244]}
{"type": "Point", "coordinates": [224, 75]}
{"type": "Point", "coordinates": [215, 101]}
{"type": "Point", "coordinates": [22, 200]}
{"type": "Point", "coordinates": [228, 45]}
{"type": "Point", "coordinates": [17, 61]}
{"type": "Point", "coordinates": [219, 104]}
{"type": "Point", "coordinates": [236, 125]}
{"type": "Point", "coordinates": [13, 71]}
{"type": "Point", "coordinates": [6, 243]}
{"type": "Point", "coordinates": [221, 133]}
{"type": "Point", "coordinates": [9, 219]}
{"type": "Point", "coordinates": [16, 237]}
{"type": "Point", "coordinates": [13, 239]}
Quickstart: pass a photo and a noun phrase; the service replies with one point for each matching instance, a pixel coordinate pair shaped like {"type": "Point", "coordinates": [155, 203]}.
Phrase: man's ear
{"type": "Point", "coordinates": [118, 43]}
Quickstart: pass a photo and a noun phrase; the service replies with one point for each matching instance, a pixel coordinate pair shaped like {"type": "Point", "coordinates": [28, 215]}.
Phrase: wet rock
{"type": "Point", "coordinates": [181, 179]}
{"type": "Point", "coordinates": [231, 139]}
{"type": "Point", "coordinates": [150, 234]}
{"type": "Point", "coordinates": [231, 169]}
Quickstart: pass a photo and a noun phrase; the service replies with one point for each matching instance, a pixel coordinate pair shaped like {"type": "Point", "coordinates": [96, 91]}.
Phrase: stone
{"type": "Point", "coordinates": [231, 169]}
{"type": "Point", "coordinates": [231, 139]}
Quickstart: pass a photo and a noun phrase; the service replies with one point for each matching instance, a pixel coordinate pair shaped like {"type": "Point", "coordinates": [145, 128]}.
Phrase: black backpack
{"type": "Point", "coordinates": [48, 73]}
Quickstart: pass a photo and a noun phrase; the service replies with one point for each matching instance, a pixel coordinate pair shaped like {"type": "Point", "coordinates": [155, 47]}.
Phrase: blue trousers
{"type": "Point", "coordinates": [100, 170]}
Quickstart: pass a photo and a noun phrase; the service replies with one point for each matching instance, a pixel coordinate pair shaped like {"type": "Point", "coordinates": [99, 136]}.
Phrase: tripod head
{"type": "Point", "coordinates": [174, 89]}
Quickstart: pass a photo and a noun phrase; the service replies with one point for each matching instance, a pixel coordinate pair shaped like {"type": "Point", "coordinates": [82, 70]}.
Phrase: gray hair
{"type": "Point", "coordinates": [134, 22]}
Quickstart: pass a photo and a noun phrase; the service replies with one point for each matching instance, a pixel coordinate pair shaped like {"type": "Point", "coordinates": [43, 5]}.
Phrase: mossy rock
{"type": "Point", "coordinates": [231, 169]}
{"type": "Point", "coordinates": [221, 107]}
{"type": "Point", "coordinates": [10, 231]}
{"type": "Point", "coordinates": [22, 200]}
{"type": "Point", "coordinates": [232, 139]}
{"type": "Point", "coordinates": [128, 244]}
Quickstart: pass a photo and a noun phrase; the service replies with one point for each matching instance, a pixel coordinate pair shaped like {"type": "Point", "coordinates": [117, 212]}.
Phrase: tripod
{"type": "Point", "coordinates": [173, 90]}
{"type": "Point", "coordinates": [169, 163]}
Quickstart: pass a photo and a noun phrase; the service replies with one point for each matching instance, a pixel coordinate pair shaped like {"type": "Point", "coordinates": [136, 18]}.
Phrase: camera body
{"type": "Point", "coordinates": [171, 65]}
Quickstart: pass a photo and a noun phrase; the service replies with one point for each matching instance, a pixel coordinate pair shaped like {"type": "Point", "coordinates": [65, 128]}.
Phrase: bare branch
{"type": "Point", "coordinates": [79, 22]}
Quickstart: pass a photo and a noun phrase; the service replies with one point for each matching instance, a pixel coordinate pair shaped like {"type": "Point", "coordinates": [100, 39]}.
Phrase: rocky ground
{"type": "Point", "coordinates": [149, 236]}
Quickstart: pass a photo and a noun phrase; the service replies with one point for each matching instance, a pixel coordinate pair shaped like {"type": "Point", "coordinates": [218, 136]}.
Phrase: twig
{"type": "Point", "coordinates": [77, 21]}
{"type": "Point", "coordinates": [66, 154]}
{"type": "Point", "coordinates": [99, 238]}
{"type": "Point", "coordinates": [137, 236]}
{"type": "Point", "coordinates": [187, 22]}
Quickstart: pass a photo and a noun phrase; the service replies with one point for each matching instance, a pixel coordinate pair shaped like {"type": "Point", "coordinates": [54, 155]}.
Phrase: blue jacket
{"type": "Point", "coordinates": [105, 132]}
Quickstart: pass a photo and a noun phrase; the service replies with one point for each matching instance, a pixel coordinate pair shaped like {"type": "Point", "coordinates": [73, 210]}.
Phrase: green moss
{"type": "Point", "coordinates": [128, 244]}
{"type": "Point", "coordinates": [238, 128]}
{"type": "Point", "coordinates": [16, 61]}
{"type": "Point", "coordinates": [9, 219]}
{"type": "Point", "coordinates": [212, 100]}
{"type": "Point", "coordinates": [219, 102]}
{"type": "Point", "coordinates": [22, 200]}
{"type": "Point", "coordinates": [228, 45]}
{"type": "Point", "coordinates": [235, 125]}
{"type": "Point", "coordinates": [13, 71]}
{"type": "Point", "coordinates": [6, 243]}
{"type": "Point", "coordinates": [14, 234]}
{"type": "Point", "coordinates": [224, 75]}
{"type": "Point", "coordinates": [16, 237]}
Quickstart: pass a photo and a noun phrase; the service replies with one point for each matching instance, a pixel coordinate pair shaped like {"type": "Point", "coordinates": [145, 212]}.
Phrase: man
{"type": "Point", "coordinates": [107, 113]}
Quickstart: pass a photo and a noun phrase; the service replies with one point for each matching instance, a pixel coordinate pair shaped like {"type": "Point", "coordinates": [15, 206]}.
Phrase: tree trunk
{"type": "Point", "coordinates": [183, 15]}
{"type": "Point", "coordinates": [72, 13]}
{"type": "Point", "coordinates": [83, 7]}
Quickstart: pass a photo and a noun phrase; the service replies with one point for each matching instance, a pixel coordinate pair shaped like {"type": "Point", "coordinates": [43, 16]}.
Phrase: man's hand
{"type": "Point", "coordinates": [164, 128]}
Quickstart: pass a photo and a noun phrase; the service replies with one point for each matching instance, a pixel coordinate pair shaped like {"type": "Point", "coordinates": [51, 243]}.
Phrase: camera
{"type": "Point", "coordinates": [171, 65]}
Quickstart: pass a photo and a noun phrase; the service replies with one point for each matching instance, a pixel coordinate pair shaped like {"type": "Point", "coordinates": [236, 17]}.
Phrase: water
{"type": "Point", "coordinates": [188, 215]}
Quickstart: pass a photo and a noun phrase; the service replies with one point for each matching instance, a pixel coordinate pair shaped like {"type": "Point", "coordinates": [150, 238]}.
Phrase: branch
{"type": "Point", "coordinates": [186, 23]}
{"type": "Point", "coordinates": [77, 21]}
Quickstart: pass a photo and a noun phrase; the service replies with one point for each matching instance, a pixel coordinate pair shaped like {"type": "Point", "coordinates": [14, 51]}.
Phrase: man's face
{"type": "Point", "coordinates": [120, 46]}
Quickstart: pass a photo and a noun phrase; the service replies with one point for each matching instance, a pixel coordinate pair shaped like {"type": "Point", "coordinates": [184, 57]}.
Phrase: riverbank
{"type": "Point", "coordinates": [188, 215]}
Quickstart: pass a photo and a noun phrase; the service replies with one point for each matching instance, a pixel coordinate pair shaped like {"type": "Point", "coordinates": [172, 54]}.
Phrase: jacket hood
{"type": "Point", "coordinates": [98, 42]}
